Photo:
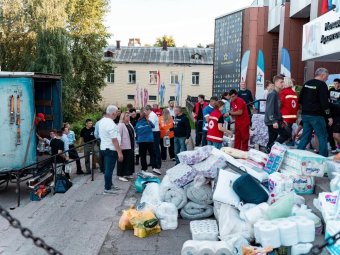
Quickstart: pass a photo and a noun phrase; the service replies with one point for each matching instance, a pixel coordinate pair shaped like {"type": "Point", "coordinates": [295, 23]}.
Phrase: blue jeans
{"type": "Point", "coordinates": [216, 145]}
{"type": "Point", "coordinates": [180, 146]}
{"type": "Point", "coordinates": [109, 160]}
{"type": "Point", "coordinates": [318, 124]}
{"type": "Point", "coordinates": [156, 147]}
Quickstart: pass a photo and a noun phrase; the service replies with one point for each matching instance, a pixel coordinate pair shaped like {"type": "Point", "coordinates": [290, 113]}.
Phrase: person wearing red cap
{"type": "Point", "coordinates": [40, 117]}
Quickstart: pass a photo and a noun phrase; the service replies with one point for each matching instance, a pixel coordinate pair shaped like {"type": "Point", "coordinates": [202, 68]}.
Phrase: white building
{"type": "Point", "coordinates": [138, 68]}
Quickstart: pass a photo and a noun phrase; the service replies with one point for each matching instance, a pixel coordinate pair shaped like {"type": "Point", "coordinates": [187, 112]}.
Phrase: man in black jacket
{"type": "Point", "coordinates": [182, 131]}
{"type": "Point", "coordinates": [273, 118]}
{"type": "Point", "coordinates": [314, 100]}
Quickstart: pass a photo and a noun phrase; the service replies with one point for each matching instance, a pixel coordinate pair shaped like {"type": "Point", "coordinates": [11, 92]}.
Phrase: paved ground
{"type": "Point", "coordinates": [84, 221]}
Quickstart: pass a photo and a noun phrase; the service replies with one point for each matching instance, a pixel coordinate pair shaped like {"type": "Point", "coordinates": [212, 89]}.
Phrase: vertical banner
{"type": "Point", "coordinates": [285, 63]}
{"type": "Point", "coordinates": [244, 66]}
{"type": "Point", "coordinates": [162, 94]}
{"type": "Point", "coordinates": [324, 6]}
{"type": "Point", "coordinates": [158, 85]}
{"type": "Point", "coordinates": [260, 76]}
{"type": "Point", "coordinates": [146, 97]}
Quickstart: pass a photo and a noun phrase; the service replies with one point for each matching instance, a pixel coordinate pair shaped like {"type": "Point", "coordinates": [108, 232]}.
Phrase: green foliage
{"type": "Point", "coordinates": [169, 39]}
{"type": "Point", "coordinates": [77, 126]}
{"type": "Point", "coordinates": [192, 124]}
{"type": "Point", "coordinates": [58, 36]}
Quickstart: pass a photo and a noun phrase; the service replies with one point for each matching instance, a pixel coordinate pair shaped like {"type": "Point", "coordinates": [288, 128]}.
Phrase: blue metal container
{"type": "Point", "coordinates": [22, 95]}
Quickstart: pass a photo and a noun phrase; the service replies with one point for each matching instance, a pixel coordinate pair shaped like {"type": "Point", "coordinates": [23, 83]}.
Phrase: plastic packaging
{"type": "Point", "coordinates": [167, 214]}
{"type": "Point", "coordinates": [181, 174]}
{"type": "Point", "coordinates": [169, 192]}
{"type": "Point", "coordinates": [258, 156]}
{"type": "Point", "coordinates": [301, 248]}
{"type": "Point", "coordinates": [335, 182]}
{"type": "Point", "coordinates": [193, 247]}
{"type": "Point", "coordinates": [328, 201]}
{"type": "Point", "coordinates": [224, 192]}
{"type": "Point", "coordinates": [151, 196]}
{"type": "Point", "coordinates": [303, 211]}
{"type": "Point", "coordinates": [275, 158]}
{"type": "Point", "coordinates": [124, 221]}
{"type": "Point", "coordinates": [282, 208]}
{"type": "Point", "coordinates": [204, 230]}
{"type": "Point", "coordinates": [235, 152]}
{"type": "Point", "coordinates": [166, 141]}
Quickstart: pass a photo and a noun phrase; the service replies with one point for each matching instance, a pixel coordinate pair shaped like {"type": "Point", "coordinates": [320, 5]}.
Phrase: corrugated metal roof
{"type": "Point", "coordinates": [173, 55]}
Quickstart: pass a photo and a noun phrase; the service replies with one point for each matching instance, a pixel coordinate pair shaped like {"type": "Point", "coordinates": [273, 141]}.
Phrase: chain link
{"type": "Point", "coordinates": [330, 241]}
{"type": "Point", "coordinates": [27, 233]}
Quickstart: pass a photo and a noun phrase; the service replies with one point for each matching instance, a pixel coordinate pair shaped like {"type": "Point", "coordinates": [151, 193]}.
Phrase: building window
{"type": "Point", "coordinates": [153, 77]}
{"type": "Point", "coordinates": [130, 97]}
{"type": "Point", "coordinates": [111, 77]}
{"type": "Point", "coordinates": [195, 78]}
{"type": "Point", "coordinates": [152, 98]}
{"type": "Point", "coordinates": [174, 78]}
{"type": "Point", "coordinates": [132, 77]}
{"type": "Point", "coordinates": [172, 98]}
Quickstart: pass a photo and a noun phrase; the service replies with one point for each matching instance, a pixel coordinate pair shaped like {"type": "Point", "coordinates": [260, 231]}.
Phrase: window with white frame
{"type": "Point", "coordinates": [153, 77]}
{"type": "Point", "coordinates": [130, 97]}
{"type": "Point", "coordinates": [195, 78]}
{"type": "Point", "coordinates": [174, 78]}
{"type": "Point", "coordinates": [111, 77]}
{"type": "Point", "coordinates": [131, 77]}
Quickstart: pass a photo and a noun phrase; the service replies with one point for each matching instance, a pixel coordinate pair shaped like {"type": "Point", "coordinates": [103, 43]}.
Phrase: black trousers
{"type": "Point", "coordinates": [330, 136]}
{"type": "Point", "coordinates": [73, 154]}
{"type": "Point", "coordinates": [279, 135]}
{"type": "Point", "coordinates": [204, 138]}
{"type": "Point", "coordinates": [164, 149]}
{"type": "Point", "coordinates": [157, 151]}
{"type": "Point", "coordinates": [198, 127]}
{"type": "Point", "coordinates": [143, 149]}
{"type": "Point", "coordinates": [127, 167]}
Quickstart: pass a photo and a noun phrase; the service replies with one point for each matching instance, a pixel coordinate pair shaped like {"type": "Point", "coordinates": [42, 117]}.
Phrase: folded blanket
{"type": "Point", "coordinates": [169, 192]}
{"type": "Point", "coordinates": [193, 211]}
{"type": "Point", "coordinates": [209, 167]}
{"type": "Point", "coordinates": [200, 194]}
{"type": "Point", "coordinates": [196, 156]}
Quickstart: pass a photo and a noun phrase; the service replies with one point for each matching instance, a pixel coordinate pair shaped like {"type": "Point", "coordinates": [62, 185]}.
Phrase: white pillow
{"type": "Point", "coordinates": [224, 192]}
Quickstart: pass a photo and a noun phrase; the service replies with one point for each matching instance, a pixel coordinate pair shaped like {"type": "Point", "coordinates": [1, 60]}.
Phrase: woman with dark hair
{"type": "Point", "coordinates": [126, 168]}
{"type": "Point", "coordinates": [144, 137]}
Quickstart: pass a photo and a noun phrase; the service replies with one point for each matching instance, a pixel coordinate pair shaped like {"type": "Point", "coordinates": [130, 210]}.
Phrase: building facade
{"type": "Point", "coordinates": [183, 71]}
{"type": "Point", "coordinates": [309, 34]}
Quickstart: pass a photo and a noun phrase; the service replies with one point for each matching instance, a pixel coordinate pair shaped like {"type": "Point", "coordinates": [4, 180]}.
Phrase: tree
{"type": "Point", "coordinates": [169, 39]}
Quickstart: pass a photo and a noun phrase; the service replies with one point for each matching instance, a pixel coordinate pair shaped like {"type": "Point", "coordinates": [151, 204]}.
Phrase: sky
{"type": "Point", "coordinates": [190, 22]}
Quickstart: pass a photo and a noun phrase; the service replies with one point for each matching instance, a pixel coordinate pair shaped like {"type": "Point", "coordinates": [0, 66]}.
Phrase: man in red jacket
{"type": "Point", "coordinates": [242, 121]}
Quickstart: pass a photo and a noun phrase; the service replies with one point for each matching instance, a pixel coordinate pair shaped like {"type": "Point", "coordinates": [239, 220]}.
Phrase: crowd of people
{"type": "Point", "coordinates": [126, 138]}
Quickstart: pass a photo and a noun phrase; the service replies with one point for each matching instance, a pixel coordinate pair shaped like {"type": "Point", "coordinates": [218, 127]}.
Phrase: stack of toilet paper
{"type": "Point", "coordinates": [302, 185]}
{"type": "Point", "coordinates": [278, 185]}
{"type": "Point", "coordinates": [284, 232]}
{"type": "Point", "coordinates": [192, 247]}
{"type": "Point", "coordinates": [204, 230]}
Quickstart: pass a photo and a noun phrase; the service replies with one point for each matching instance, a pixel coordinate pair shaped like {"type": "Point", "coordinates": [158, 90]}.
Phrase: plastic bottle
{"type": "Point", "coordinates": [166, 141]}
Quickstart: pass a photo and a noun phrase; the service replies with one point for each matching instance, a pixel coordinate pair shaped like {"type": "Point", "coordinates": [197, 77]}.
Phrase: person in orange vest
{"type": "Point", "coordinates": [289, 103]}
{"type": "Point", "coordinates": [198, 118]}
{"type": "Point", "coordinates": [166, 127]}
{"type": "Point", "coordinates": [215, 126]}
{"type": "Point", "coordinates": [242, 120]}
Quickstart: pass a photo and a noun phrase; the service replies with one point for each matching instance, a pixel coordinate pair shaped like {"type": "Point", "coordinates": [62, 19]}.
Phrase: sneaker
{"type": "Point", "coordinates": [109, 191]}
{"type": "Point", "coordinates": [173, 159]}
{"type": "Point", "coordinates": [335, 151]}
{"type": "Point", "coordinates": [123, 179]}
{"type": "Point", "coordinates": [155, 170]}
{"type": "Point", "coordinates": [147, 174]}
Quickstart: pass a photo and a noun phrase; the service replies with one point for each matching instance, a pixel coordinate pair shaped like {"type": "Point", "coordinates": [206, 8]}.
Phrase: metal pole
{"type": "Point", "coordinates": [18, 189]}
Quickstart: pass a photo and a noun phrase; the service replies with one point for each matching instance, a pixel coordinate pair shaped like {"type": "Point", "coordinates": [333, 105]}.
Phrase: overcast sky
{"type": "Point", "coordinates": [190, 22]}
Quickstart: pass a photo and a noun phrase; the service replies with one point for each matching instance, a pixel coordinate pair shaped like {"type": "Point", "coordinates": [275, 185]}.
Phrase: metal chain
{"type": "Point", "coordinates": [317, 249]}
{"type": "Point", "coordinates": [27, 233]}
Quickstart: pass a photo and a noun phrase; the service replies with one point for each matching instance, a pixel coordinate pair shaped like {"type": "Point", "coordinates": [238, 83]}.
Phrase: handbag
{"type": "Point", "coordinates": [62, 184]}
{"type": "Point", "coordinates": [249, 190]}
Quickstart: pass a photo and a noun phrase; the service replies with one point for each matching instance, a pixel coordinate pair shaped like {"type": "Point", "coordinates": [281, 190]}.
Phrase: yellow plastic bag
{"type": "Point", "coordinates": [124, 221]}
{"type": "Point", "coordinates": [144, 222]}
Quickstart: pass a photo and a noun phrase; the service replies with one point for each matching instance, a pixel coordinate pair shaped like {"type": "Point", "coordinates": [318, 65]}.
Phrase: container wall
{"type": "Point", "coordinates": [16, 127]}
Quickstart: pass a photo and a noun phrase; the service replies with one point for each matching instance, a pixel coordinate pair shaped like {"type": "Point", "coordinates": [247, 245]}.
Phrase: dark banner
{"type": "Point", "coordinates": [228, 50]}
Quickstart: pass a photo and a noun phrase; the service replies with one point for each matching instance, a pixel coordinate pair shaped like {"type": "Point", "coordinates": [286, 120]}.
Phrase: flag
{"type": "Point", "coordinates": [158, 84]}
{"type": "Point", "coordinates": [162, 94]}
{"type": "Point", "coordinates": [285, 63]}
{"type": "Point", "coordinates": [324, 6]}
{"type": "Point", "coordinates": [244, 65]}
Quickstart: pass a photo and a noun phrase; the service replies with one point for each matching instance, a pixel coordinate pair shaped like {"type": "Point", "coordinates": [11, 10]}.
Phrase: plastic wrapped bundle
{"type": "Point", "coordinates": [196, 156]}
{"type": "Point", "coordinates": [181, 174]}
{"type": "Point", "coordinates": [151, 196]}
{"type": "Point", "coordinates": [193, 211]}
{"type": "Point", "coordinates": [200, 194]}
{"type": "Point", "coordinates": [204, 230]}
{"type": "Point", "coordinates": [235, 152]}
{"type": "Point", "coordinates": [209, 167]}
{"type": "Point", "coordinates": [169, 192]}
{"type": "Point", "coordinates": [167, 214]}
